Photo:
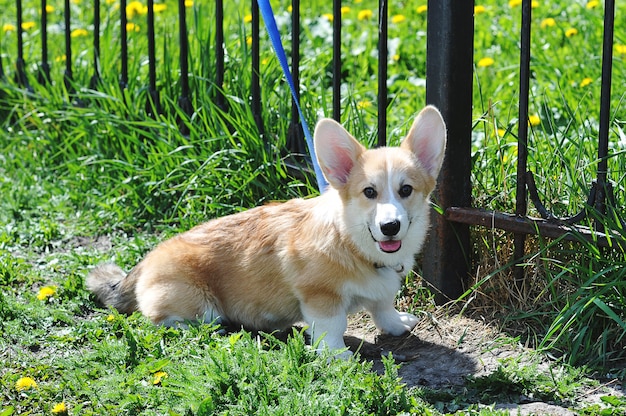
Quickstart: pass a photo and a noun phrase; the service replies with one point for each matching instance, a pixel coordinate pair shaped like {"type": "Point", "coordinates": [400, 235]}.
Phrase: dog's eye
{"type": "Point", "coordinates": [405, 191]}
{"type": "Point", "coordinates": [370, 192]}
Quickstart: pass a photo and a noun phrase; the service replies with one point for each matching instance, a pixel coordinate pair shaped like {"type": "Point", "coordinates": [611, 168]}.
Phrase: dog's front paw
{"type": "Point", "coordinates": [395, 323]}
{"type": "Point", "coordinates": [409, 320]}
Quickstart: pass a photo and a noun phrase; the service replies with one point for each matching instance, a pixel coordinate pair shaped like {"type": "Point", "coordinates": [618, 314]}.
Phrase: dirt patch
{"type": "Point", "coordinates": [442, 352]}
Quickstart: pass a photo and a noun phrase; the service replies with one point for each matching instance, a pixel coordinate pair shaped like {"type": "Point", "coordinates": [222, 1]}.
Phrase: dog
{"type": "Point", "coordinates": [305, 260]}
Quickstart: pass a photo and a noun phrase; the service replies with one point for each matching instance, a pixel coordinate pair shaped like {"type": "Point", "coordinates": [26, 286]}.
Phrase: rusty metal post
{"type": "Point", "coordinates": [449, 78]}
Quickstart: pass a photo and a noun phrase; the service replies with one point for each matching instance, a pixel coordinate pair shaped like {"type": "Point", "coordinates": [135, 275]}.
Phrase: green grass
{"type": "Point", "coordinates": [128, 366]}
{"type": "Point", "coordinates": [99, 181]}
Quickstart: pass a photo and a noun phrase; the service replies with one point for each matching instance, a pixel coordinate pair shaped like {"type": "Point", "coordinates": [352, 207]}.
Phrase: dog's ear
{"type": "Point", "coordinates": [427, 140]}
{"type": "Point", "coordinates": [337, 151]}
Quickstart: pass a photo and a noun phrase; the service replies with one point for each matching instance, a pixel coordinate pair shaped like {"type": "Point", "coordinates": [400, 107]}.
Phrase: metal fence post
{"type": "Point", "coordinates": [255, 88]}
{"type": "Point", "coordinates": [383, 12]}
{"type": "Point", "coordinates": [95, 78]}
{"type": "Point", "coordinates": [44, 68]}
{"type": "Point", "coordinates": [295, 134]}
{"type": "Point", "coordinates": [337, 60]}
{"type": "Point", "coordinates": [449, 78]}
{"type": "Point", "coordinates": [521, 194]}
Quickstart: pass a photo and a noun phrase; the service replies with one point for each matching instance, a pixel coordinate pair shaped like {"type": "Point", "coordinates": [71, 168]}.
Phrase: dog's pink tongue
{"type": "Point", "coordinates": [390, 246]}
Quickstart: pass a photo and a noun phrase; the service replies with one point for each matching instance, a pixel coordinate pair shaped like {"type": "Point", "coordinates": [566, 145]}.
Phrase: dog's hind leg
{"type": "Point", "coordinates": [210, 316]}
{"type": "Point", "coordinates": [173, 302]}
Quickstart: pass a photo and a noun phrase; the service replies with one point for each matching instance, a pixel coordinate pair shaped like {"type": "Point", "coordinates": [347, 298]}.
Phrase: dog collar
{"type": "Point", "coordinates": [398, 268]}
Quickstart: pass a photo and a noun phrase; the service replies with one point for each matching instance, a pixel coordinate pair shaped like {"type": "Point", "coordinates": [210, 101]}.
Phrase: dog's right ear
{"type": "Point", "coordinates": [337, 151]}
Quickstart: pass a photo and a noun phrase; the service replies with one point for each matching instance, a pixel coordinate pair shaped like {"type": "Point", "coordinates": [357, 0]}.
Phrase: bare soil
{"type": "Point", "coordinates": [443, 351]}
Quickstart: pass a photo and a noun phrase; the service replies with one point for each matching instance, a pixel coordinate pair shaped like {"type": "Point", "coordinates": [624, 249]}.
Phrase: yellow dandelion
{"type": "Point", "coordinates": [515, 3]}
{"type": "Point", "coordinates": [109, 2]}
{"type": "Point", "coordinates": [485, 62]}
{"type": "Point", "coordinates": [548, 22]}
{"type": "Point", "coordinates": [25, 383]}
{"type": "Point", "coordinates": [345, 10]}
{"type": "Point", "coordinates": [358, 1]}
{"type": "Point", "coordinates": [585, 82]}
{"type": "Point", "coordinates": [28, 25]}
{"type": "Point", "coordinates": [49, 8]}
{"type": "Point", "coordinates": [46, 291]}
{"type": "Point", "coordinates": [188, 3]}
{"type": "Point", "coordinates": [398, 18]}
{"type": "Point", "coordinates": [110, 318]}
{"type": "Point", "coordinates": [76, 1]}
{"type": "Point", "coordinates": [59, 409]}
{"type": "Point", "coordinates": [571, 32]}
{"type": "Point", "coordinates": [592, 4]}
{"type": "Point", "coordinates": [500, 132]}
{"type": "Point", "coordinates": [422, 9]}
{"type": "Point", "coordinates": [479, 9]}
{"type": "Point", "coordinates": [132, 27]}
{"type": "Point", "coordinates": [621, 49]}
{"type": "Point", "coordinates": [76, 33]}
{"type": "Point", "coordinates": [135, 8]}
{"type": "Point", "coordinates": [534, 120]}
{"type": "Point", "coordinates": [365, 14]}
{"type": "Point", "coordinates": [158, 377]}
{"type": "Point", "coordinates": [290, 8]}
{"type": "Point", "coordinates": [328, 16]}
{"type": "Point", "coordinates": [159, 7]}
{"type": "Point", "coordinates": [8, 27]}
{"type": "Point", "coordinates": [60, 58]}
{"type": "Point", "coordinates": [534, 4]}
{"type": "Point", "coordinates": [363, 104]}
{"type": "Point", "coordinates": [247, 18]}
{"type": "Point", "coordinates": [249, 40]}
{"type": "Point", "coordinates": [395, 57]}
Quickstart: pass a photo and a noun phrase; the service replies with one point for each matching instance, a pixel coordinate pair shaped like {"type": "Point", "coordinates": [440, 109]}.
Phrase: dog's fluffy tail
{"type": "Point", "coordinates": [113, 287]}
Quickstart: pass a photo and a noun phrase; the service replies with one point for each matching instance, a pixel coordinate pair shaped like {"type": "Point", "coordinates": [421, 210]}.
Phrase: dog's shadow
{"type": "Point", "coordinates": [422, 363]}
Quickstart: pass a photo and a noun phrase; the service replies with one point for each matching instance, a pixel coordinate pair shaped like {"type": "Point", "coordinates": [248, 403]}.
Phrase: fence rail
{"type": "Point", "coordinates": [449, 75]}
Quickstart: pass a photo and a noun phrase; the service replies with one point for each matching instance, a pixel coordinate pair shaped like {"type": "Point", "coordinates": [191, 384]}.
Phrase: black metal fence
{"type": "Point", "coordinates": [449, 68]}
{"type": "Point", "coordinates": [449, 76]}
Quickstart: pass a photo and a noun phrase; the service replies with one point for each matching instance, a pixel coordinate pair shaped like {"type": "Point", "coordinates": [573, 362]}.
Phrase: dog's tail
{"type": "Point", "coordinates": [113, 287]}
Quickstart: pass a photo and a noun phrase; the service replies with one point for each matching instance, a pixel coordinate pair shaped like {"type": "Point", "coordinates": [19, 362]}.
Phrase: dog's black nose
{"type": "Point", "coordinates": [390, 228]}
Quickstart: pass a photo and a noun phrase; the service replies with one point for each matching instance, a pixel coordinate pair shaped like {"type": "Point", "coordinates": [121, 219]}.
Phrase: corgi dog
{"type": "Point", "coordinates": [305, 260]}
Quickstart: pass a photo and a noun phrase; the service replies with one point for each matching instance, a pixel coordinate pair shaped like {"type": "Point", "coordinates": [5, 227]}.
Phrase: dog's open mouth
{"type": "Point", "coordinates": [390, 246]}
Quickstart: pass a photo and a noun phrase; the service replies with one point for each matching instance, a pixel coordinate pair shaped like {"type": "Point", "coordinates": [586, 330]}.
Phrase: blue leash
{"type": "Point", "coordinates": [272, 30]}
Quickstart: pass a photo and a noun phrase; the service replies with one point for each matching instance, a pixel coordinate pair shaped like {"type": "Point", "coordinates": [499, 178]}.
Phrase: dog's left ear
{"type": "Point", "coordinates": [337, 151]}
{"type": "Point", "coordinates": [427, 140]}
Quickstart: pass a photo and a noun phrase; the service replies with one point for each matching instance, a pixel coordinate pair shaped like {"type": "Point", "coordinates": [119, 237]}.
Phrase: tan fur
{"type": "Point", "coordinates": [310, 260]}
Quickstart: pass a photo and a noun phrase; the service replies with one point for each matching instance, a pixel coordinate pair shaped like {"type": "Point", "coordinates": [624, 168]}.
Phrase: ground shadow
{"type": "Point", "coordinates": [422, 363]}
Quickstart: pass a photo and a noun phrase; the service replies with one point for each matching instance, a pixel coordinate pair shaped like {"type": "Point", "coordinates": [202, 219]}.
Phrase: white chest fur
{"type": "Point", "coordinates": [380, 285]}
